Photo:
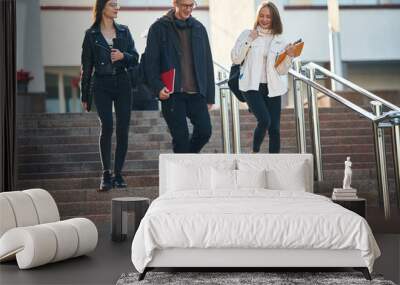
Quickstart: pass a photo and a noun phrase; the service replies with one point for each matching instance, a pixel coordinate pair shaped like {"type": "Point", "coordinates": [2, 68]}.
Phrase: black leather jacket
{"type": "Point", "coordinates": [96, 57]}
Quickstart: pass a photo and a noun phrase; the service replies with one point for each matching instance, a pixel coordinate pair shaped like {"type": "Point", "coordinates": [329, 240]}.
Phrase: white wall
{"type": "Point", "coordinates": [366, 35]}
{"type": "Point", "coordinates": [67, 3]}
{"type": "Point", "coordinates": [122, 2]}
{"type": "Point", "coordinates": [63, 32]}
{"type": "Point", "coordinates": [29, 43]}
{"type": "Point", "coordinates": [228, 19]}
{"type": "Point", "coordinates": [227, 22]}
{"type": "Point", "coordinates": [375, 76]}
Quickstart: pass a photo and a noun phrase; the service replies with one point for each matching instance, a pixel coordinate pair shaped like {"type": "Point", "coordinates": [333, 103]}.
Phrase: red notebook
{"type": "Point", "coordinates": [168, 78]}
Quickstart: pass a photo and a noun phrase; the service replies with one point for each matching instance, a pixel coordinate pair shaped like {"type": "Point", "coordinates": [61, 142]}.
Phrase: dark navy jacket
{"type": "Point", "coordinates": [163, 53]}
{"type": "Point", "coordinates": [96, 56]}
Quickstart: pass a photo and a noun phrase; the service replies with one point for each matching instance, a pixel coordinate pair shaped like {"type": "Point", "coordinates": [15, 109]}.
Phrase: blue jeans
{"type": "Point", "coordinates": [175, 111]}
{"type": "Point", "coordinates": [267, 111]}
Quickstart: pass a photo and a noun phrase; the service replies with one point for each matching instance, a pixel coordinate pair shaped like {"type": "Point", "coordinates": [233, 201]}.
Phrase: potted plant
{"type": "Point", "coordinates": [23, 78]}
{"type": "Point", "coordinates": [75, 82]}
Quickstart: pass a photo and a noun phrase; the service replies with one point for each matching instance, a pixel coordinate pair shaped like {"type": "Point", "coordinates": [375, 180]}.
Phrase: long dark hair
{"type": "Point", "coordinates": [98, 11]}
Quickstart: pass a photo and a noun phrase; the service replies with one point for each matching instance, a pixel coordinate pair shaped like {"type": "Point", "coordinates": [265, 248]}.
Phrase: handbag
{"type": "Point", "coordinates": [141, 89]}
{"type": "Point", "coordinates": [233, 82]}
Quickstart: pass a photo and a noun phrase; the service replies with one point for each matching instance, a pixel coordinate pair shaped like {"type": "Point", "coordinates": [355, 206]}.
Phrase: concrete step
{"type": "Point", "coordinates": [360, 165]}
{"type": "Point", "coordinates": [82, 174]}
{"type": "Point", "coordinates": [155, 118]}
{"type": "Point", "coordinates": [327, 128]}
{"type": "Point", "coordinates": [56, 181]}
{"type": "Point", "coordinates": [87, 147]}
{"type": "Point", "coordinates": [43, 151]}
{"type": "Point", "coordinates": [358, 174]}
{"type": "Point", "coordinates": [84, 156]}
{"type": "Point", "coordinates": [84, 183]}
{"type": "Point", "coordinates": [145, 161]}
{"type": "Point", "coordinates": [92, 195]}
{"type": "Point", "coordinates": [81, 158]}
{"type": "Point", "coordinates": [83, 166]}
{"type": "Point", "coordinates": [165, 137]}
{"type": "Point", "coordinates": [93, 203]}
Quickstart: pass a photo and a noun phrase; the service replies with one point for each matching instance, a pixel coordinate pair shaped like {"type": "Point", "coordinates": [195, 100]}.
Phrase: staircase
{"type": "Point", "coordinates": [59, 152]}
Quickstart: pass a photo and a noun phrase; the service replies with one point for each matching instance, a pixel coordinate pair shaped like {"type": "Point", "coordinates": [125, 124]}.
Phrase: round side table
{"type": "Point", "coordinates": [120, 207]}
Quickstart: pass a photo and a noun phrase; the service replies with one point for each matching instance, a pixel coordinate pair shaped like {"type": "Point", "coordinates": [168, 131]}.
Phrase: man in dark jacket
{"type": "Point", "coordinates": [179, 42]}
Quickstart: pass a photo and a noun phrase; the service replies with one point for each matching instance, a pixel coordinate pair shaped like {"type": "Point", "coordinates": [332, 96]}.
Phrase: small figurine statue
{"type": "Point", "coordinates": [347, 174]}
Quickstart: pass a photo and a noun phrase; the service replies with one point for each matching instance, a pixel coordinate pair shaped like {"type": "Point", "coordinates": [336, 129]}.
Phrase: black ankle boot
{"type": "Point", "coordinates": [106, 181]}
{"type": "Point", "coordinates": [118, 181]}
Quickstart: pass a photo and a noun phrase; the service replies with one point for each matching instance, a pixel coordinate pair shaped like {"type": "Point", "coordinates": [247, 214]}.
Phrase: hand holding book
{"type": "Point", "coordinates": [168, 78]}
{"type": "Point", "coordinates": [293, 50]}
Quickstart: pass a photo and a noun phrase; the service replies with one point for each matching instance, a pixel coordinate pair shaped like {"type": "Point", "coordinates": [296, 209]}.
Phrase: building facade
{"type": "Point", "coordinates": [49, 43]}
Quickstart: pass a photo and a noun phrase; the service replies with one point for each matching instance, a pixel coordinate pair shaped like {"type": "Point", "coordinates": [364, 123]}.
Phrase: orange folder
{"type": "Point", "coordinates": [298, 48]}
{"type": "Point", "coordinates": [168, 78]}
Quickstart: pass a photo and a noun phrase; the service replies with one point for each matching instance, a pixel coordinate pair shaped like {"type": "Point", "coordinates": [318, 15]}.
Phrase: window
{"type": "Point", "coordinates": [62, 92]}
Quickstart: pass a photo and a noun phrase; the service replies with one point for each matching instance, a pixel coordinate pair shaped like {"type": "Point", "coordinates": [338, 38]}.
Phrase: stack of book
{"type": "Point", "coordinates": [344, 194]}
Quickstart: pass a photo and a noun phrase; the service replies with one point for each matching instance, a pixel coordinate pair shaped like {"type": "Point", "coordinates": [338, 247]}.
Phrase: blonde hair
{"type": "Point", "coordinates": [276, 25]}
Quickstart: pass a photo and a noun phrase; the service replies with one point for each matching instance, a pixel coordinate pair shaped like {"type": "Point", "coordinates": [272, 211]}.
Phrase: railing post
{"type": "Point", "coordinates": [314, 126]}
{"type": "Point", "coordinates": [396, 155]}
{"type": "Point", "coordinates": [380, 156]}
{"type": "Point", "coordinates": [224, 111]}
{"type": "Point", "coordinates": [226, 138]}
{"type": "Point", "coordinates": [299, 111]}
{"type": "Point", "coordinates": [235, 123]}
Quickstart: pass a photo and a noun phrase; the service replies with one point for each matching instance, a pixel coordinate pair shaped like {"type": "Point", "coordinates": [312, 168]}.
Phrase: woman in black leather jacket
{"type": "Point", "coordinates": [108, 52]}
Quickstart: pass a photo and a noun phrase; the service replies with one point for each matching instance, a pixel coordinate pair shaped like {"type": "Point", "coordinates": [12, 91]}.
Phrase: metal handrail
{"type": "Point", "coordinates": [221, 66]}
{"type": "Point", "coordinates": [379, 121]}
{"type": "Point", "coordinates": [222, 82]}
{"type": "Point", "coordinates": [391, 115]}
{"type": "Point", "coordinates": [333, 95]}
{"type": "Point", "coordinates": [307, 74]}
{"type": "Point", "coordinates": [351, 85]}
{"type": "Point", "coordinates": [228, 100]}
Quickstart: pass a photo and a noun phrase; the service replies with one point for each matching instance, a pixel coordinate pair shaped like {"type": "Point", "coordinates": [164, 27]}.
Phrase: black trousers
{"type": "Point", "coordinates": [108, 90]}
{"type": "Point", "coordinates": [175, 111]}
{"type": "Point", "coordinates": [267, 111]}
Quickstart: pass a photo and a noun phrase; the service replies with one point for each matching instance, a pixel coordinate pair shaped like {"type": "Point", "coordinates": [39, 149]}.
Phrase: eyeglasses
{"type": "Point", "coordinates": [188, 6]}
{"type": "Point", "coordinates": [114, 5]}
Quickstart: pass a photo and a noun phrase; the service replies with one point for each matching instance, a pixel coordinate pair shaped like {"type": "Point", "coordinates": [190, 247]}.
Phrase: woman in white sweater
{"type": "Point", "coordinates": [261, 83]}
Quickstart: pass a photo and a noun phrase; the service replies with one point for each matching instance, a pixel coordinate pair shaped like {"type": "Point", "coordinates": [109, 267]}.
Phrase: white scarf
{"type": "Point", "coordinates": [263, 32]}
